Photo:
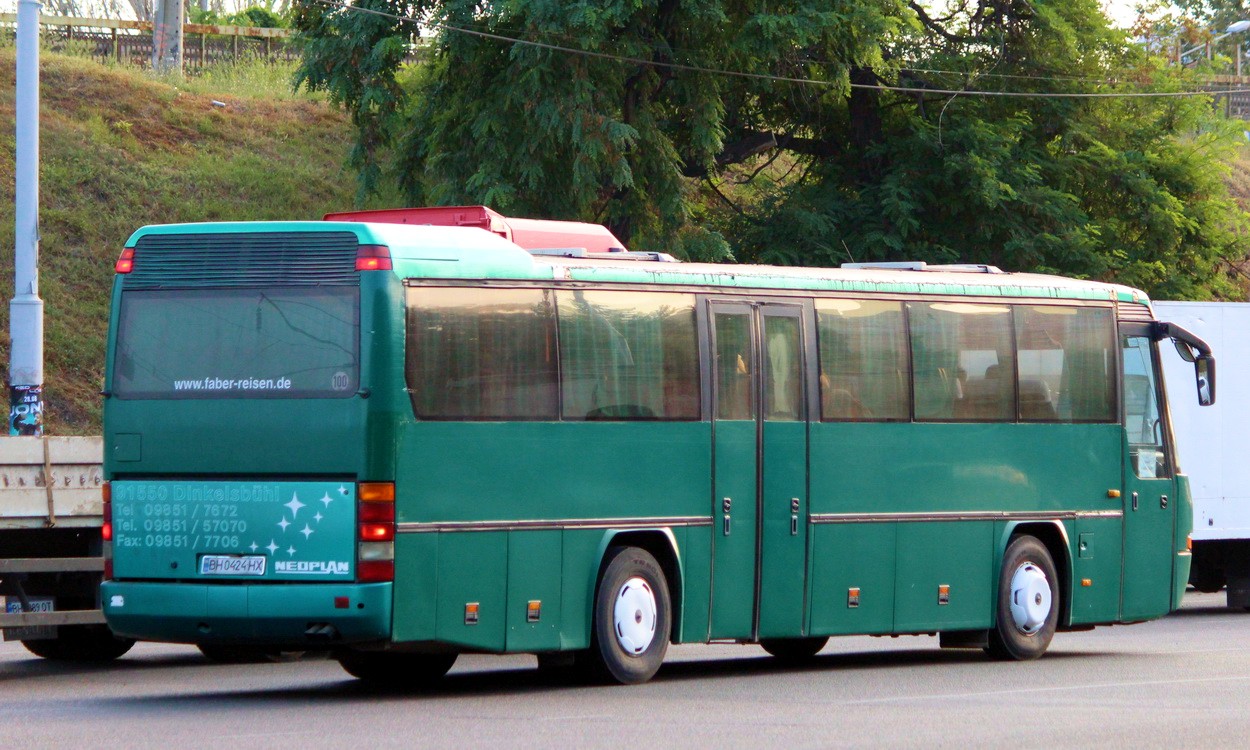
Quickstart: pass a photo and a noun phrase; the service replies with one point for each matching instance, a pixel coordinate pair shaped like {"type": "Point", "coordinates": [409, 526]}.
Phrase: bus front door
{"type": "Point", "coordinates": [760, 402]}
{"type": "Point", "coordinates": [1149, 488]}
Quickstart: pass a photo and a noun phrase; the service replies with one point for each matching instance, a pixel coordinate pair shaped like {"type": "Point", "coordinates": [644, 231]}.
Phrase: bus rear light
{"type": "Point", "coordinates": [108, 567]}
{"type": "Point", "coordinates": [376, 571]}
{"type": "Point", "coordinates": [373, 258]}
{"type": "Point", "coordinates": [1189, 543]}
{"type": "Point", "coordinates": [126, 263]}
{"type": "Point", "coordinates": [377, 532]}
{"type": "Point", "coordinates": [375, 562]}
{"type": "Point", "coordinates": [376, 492]}
{"type": "Point", "coordinates": [106, 530]}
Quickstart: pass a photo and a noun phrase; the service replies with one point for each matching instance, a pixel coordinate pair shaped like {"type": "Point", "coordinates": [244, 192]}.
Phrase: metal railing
{"type": "Point", "coordinates": [131, 41]}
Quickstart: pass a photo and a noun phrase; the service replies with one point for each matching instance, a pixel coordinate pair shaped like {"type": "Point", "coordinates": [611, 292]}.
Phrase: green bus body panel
{"type": "Point", "coordinates": [783, 583]}
{"type": "Point", "coordinates": [534, 575]}
{"type": "Point", "coordinates": [874, 483]}
{"type": "Point", "coordinates": [517, 474]}
{"type": "Point", "coordinates": [265, 614]}
{"type": "Point", "coordinates": [858, 556]}
{"type": "Point", "coordinates": [1184, 527]}
{"type": "Point", "coordinates": [957, 555]}
{"type": "Point", "coordinates": [1097, 558]}
{"type": "Point", "coordinates": [296, 531]}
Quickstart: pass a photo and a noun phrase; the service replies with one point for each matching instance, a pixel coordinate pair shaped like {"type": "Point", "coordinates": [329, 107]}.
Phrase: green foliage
{"type": "Point", "coordinates": [256, 16]}
{"type": "Point", "coordinates": [764, 167]}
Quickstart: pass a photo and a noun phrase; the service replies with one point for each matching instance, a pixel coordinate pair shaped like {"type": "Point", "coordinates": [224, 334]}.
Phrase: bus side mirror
{"type": "Point", "coordinates": [1204, 374]}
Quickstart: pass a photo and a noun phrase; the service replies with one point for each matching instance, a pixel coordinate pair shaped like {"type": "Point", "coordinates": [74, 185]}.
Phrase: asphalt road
{"type": "Point", "coordinates": [1180, 682]}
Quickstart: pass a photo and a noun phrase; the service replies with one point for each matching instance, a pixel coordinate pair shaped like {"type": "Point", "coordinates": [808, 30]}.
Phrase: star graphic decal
{"type": "Point", "coordinates": [294, 505]}
{"type": "Point", "coordinates": [253, 547]}
{"type": "Point", "coordinates": [307, 532]}
{"type": "Point", "coordinates": [342, 490]}
{"type": "Point", "coordinates": [284, 523]}
{"type": "Point", "coordinates": [318, 518]}
{"type": "Point", "coordinates": [326, 499]}
{"type": "Point", "coordinates": [272, 547]}
{"type": "Point", "coordinates": [290, 551]}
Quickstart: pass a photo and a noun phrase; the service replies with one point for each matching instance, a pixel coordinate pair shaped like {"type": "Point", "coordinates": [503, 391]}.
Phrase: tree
{"type": "Point", "coordinates": [682, 122]}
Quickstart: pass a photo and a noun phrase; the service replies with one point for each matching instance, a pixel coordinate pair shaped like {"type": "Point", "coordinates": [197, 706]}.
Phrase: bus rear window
{"type": "Point", "coordinates": [294, 342]}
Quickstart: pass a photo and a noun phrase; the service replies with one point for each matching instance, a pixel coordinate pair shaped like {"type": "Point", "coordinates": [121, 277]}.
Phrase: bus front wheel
{"type": "Point", "coordinates": [396, 670]}
{"type": "Point", "coordinates": [1028, 602]}
{"type": "Point", "coordinates": [633, 620]}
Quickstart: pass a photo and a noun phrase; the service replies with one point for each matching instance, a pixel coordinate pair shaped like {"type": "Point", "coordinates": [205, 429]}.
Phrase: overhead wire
{"type": "Point", "coordinates": [777, 78]}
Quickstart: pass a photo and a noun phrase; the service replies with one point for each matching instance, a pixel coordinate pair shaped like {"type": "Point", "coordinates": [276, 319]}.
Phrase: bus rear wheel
{"type": "Point", "coordinates": [1028, 602]}
{"type": "Point", "coordinates": [633, 620]}
{"type": "Point", "coordinates": [396, 670]}
{"type": "Point", "coordinates": [793, 650]}
{"type": "Point", "coordinates": [86, 643]}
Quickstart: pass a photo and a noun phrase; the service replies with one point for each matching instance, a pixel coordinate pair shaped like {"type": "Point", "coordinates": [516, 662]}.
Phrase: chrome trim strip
{"type": "Point", "coordinates": [988, 515]}
{"type": "Point", "coordinates": [425, 527]}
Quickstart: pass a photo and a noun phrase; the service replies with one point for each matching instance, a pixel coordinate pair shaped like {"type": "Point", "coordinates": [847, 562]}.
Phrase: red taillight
{"type": "Point", "coordinates": [126, 263]}
{"type": "Point", "coordinates": [373, 258]}
{"type": "Point", "coordinates": [375, 571]}
{"type": "Point", "coordinates": [377, 522]}
{"type": "Point", "coordinates": [375, 532]}
{"type": "Point", "coordinates": [107, 530]}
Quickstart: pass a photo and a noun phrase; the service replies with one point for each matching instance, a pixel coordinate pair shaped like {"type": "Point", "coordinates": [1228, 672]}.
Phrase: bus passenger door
{"type": "Point", "coordinates": [735, 431]}
{"type": "Point", "coordinates": [1149, 490]}
{"type": "Point", "coordinates": [760, 470]}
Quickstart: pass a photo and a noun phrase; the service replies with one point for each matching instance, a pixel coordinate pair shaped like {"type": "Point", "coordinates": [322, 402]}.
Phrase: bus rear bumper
{"type": "Point", "coordinates": [304, 615]}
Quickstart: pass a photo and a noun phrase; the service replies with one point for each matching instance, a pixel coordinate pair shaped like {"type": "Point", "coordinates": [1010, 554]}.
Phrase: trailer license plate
{"type": "Point", "coordinates": [13, 605]}
{"type": "Point", "coordinates": [232, 565]}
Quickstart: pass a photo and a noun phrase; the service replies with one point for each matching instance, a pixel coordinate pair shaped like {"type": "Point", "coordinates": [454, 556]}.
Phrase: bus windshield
{"type": "Point", "coordinates": [238, 343]}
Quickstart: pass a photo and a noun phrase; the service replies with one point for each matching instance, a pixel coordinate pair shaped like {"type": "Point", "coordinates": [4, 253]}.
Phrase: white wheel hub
{"type": "Point", "coordinates": [634, 616]}
{"type": "Point", "coordinates": [1030, 598]}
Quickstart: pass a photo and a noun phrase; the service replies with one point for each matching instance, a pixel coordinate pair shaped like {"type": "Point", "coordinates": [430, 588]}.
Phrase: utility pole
{"type": "Point", "coordinates": [26, 309]}
{"type": "Point", "coordinates": [167, 36]}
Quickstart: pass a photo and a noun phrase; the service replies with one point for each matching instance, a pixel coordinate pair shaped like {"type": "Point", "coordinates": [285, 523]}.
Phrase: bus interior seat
{"type": "Point", "coordinates": [1035, 401]}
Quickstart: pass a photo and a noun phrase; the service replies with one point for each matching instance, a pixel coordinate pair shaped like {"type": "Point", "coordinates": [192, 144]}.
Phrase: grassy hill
{"type": "Point", "coordinates": [120, 149]}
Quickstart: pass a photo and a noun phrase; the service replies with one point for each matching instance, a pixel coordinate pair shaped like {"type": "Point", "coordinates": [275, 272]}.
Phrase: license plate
{"type": "Point", "coordinates": [13, 605]}
{"type": "Point", "coordinates": [232, 565]}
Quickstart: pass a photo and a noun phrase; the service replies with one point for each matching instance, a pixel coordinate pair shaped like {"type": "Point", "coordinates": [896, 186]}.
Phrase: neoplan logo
{"type": "Point", "coordinates": [312, 567]}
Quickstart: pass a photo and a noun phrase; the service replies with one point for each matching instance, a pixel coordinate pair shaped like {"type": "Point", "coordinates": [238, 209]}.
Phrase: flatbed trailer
{"type": "Point", "coordinates": [51, 547]}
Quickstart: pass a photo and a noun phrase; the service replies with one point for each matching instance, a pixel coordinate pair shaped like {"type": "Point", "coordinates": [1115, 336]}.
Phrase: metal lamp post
{"type": "Point", "coordinates": [26, 308]}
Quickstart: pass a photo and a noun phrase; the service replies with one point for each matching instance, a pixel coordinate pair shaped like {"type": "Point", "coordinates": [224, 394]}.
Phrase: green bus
{"type": "Point", "coordinates": [407, 435]}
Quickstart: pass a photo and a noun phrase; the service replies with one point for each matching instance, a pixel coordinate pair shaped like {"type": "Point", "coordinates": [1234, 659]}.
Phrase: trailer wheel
{"type": "Point", "coordinates": [87, 643]}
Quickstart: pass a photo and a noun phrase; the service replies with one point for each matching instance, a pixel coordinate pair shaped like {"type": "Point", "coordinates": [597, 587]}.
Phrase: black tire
{"type": "Point", "coordinates": [625, 653]}
{"type": "Point", "coordinates": [84, 643]}
{"type": "Point", "coordinates": [793, 650]}
{"type": "Point", "coordinates": [1026, 634]}
{"type": "Point", "coordinates": [396, 670]}
{"type": "Point", "coordinates": [1206, 578]}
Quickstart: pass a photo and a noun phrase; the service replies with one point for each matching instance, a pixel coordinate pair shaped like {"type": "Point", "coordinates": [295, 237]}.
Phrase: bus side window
{"type": "Point", "coordinates": [1143, 425]}
{"type": "Point", "coordinates": [627, 355]}
{"type": "Point", "coordinates": [951, 340]}
{"type": "Point", "coordinates": [863, 360]}
{"type": "Point", "coordinates": [484, 354]}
